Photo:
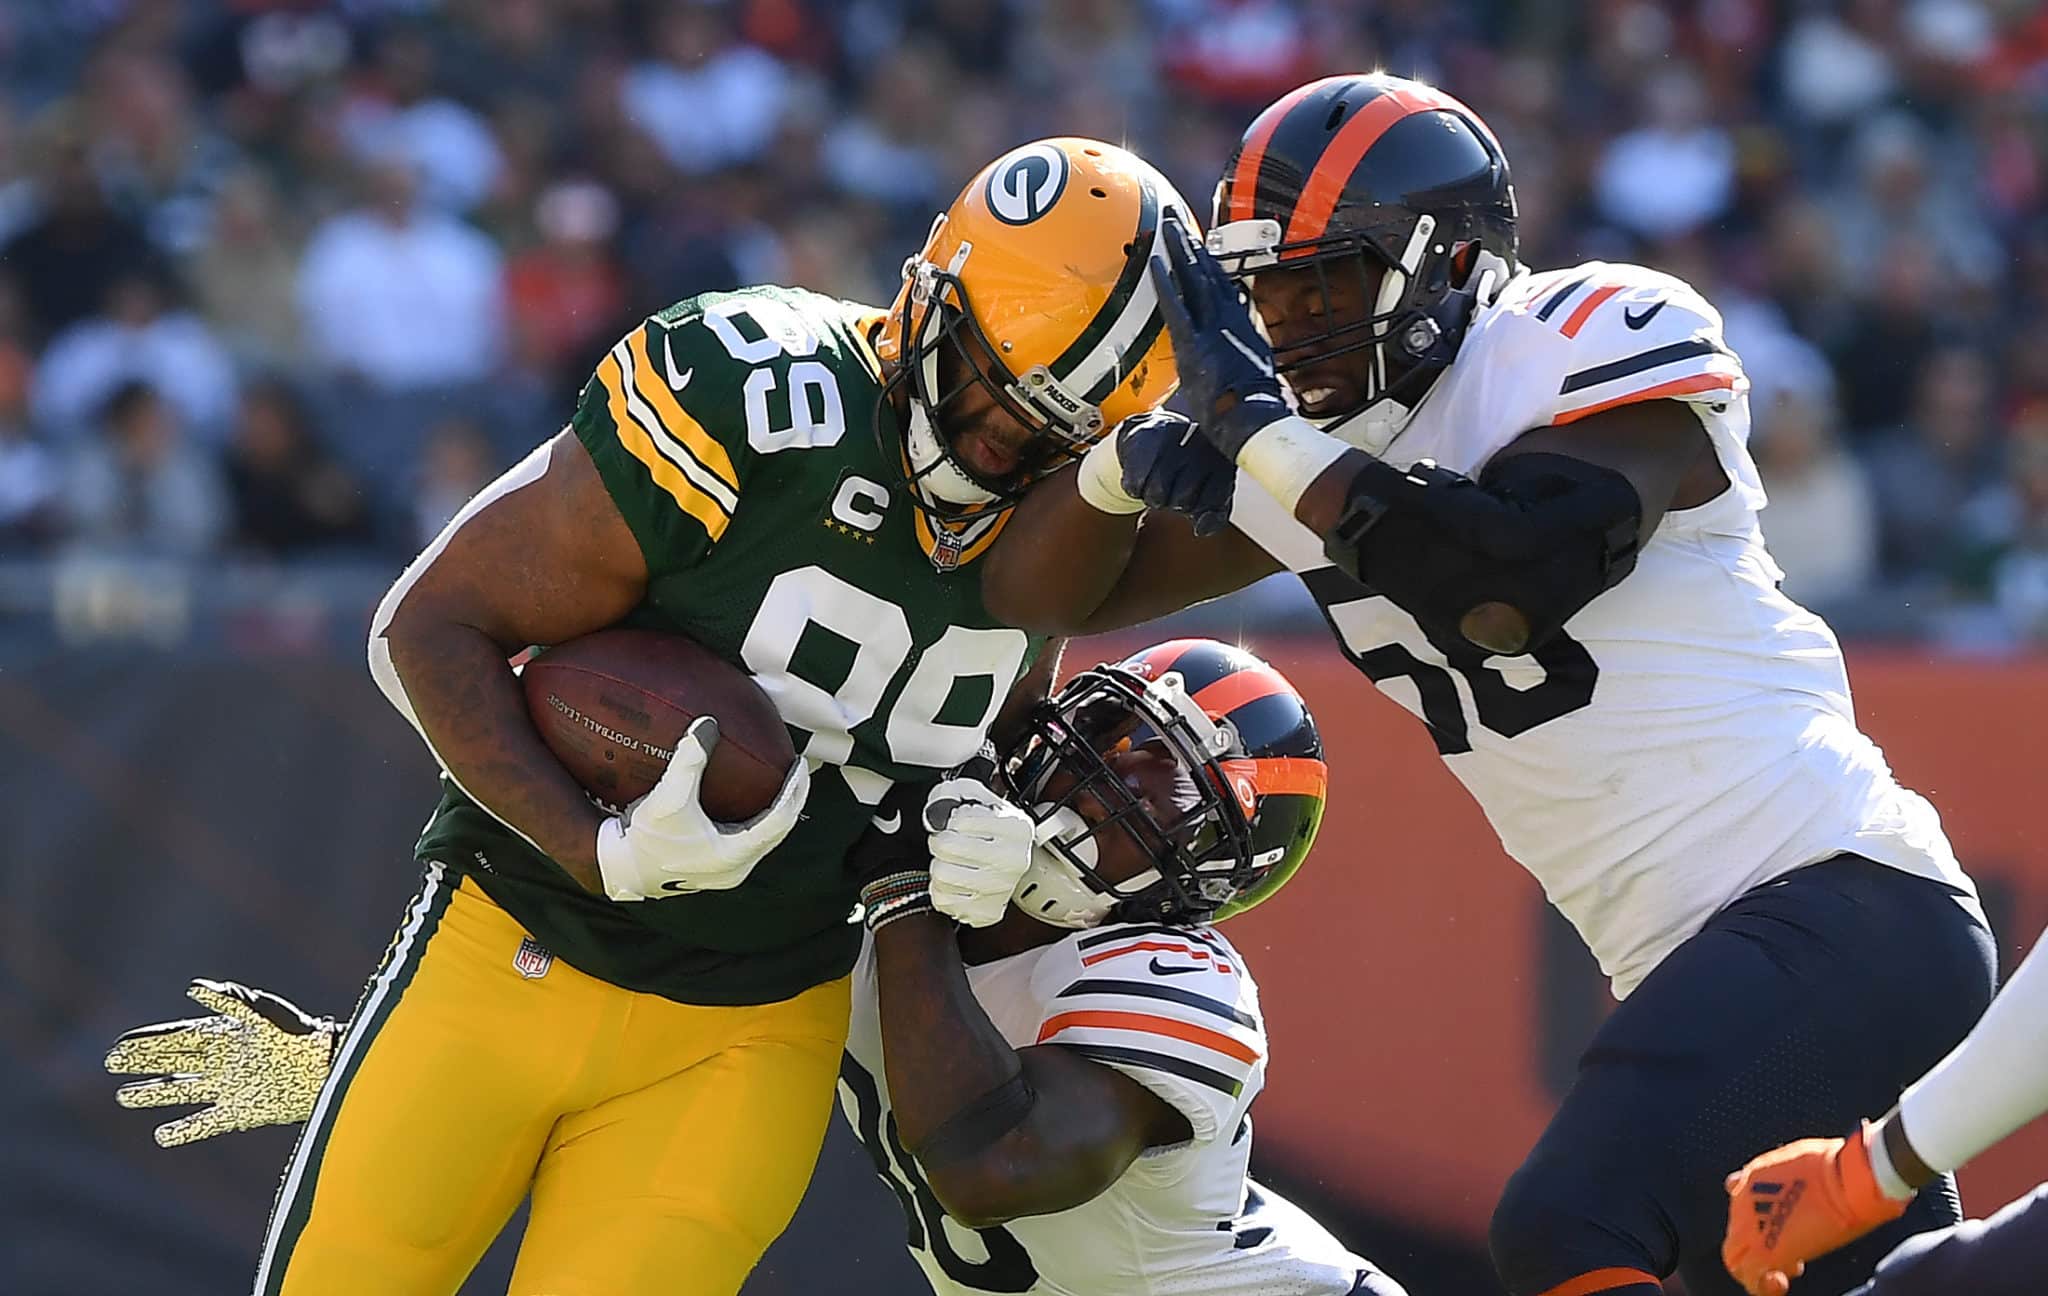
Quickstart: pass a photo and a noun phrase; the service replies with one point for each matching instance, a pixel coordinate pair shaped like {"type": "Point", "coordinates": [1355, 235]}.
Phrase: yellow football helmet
{"type": "Point", "coordinates": [1036, 276]}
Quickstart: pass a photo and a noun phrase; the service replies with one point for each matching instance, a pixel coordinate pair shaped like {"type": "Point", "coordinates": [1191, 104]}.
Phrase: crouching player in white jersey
{"type": "Point", "coordinates": [1060, 1099]}
{"type": "Point", "coordinates": [1076, 1079]}
{"type": "Point", "coordinates": [1526, 506]}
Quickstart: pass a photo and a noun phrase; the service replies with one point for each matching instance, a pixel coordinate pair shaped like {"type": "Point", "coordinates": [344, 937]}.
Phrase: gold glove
{"type": "Point", "coordinates": [257, 1061]}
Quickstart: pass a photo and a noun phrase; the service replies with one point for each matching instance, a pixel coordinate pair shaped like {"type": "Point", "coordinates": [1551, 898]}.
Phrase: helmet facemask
{"type": "Point", "coordinates": [947, 356]}
{"type": "Point", "coordinates": [1423, 293]}
{"type": "Point", "coordinates": [1063, 770]}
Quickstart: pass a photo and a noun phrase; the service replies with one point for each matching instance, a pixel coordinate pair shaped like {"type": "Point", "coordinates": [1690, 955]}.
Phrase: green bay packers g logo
{"type": "Point", "coordinates": [1025, 183]}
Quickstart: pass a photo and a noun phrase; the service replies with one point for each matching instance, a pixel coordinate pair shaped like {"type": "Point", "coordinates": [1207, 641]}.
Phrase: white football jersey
{"type": "Point", "coordinates": [1689, 735]}
{"type": "Point", "coordinates": [1174, 1009]}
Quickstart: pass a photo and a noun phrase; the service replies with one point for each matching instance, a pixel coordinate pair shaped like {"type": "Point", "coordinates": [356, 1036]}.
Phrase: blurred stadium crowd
{"type": "Point", "coordinates": [285, 281]}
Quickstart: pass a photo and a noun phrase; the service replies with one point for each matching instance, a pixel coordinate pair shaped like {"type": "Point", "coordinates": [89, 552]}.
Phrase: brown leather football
{"type": "Point", "coordinates": [612, 704]}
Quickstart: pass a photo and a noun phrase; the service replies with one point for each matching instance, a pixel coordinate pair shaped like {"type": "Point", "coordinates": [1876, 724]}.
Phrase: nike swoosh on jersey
{"type": "Point", "coordinates": [675, 885]}
{"type": "Point", "coordinates": [676, 381]}
{"type": "Point", "coordinates": [1161, 969]}
{"type": "Point", "coordinates": [889, 825]}
{"type": "Point", "coordinates": [1636, 321]}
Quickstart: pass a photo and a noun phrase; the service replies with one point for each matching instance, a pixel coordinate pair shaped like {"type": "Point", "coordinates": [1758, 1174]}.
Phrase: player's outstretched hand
{"type": "Point", "coordinates": [1225, 366]}
{"type": "Point", "coordinates": [1160, 460]}
{"type": "Point", "coordinates": [1797, 1203]}
{"type": "Point", "coordinates": [665, 845]}
{"type": "Point", "coordinates": [980, 847]}
{"type": "Point", "coordinates": [256, 1061]}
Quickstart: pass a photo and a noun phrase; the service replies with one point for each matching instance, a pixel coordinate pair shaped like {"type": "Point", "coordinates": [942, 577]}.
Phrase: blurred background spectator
{"type": "Point", "coordinates": [397, 293]}
{"type": "Point", "coordinates": [2018, 555]}
{"type": "Point", "coordinates": [358, 255]}
{"type": "Point", "coordinates": [1934, 463]}
{"type": "Point", "coordinates": [136, 336]}
{"type": "Point", "coordinates": [139, 487]}
{"type": "Point", "coordinates": [29, 474]}
{"type": "Point", "coordinates": [290, 496]}
{"type": "Point", "coordinates": [1821, 522]}
{"type": "Point", "coordinates": [456, 461]}
{"type": "Point", "coordinates": [565, 295]}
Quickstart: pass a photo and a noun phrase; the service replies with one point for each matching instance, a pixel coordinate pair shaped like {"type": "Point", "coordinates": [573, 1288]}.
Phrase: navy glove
{"type": "Point", "coordinates": [1159, 460]}
{"type": "Point", "coordinates": [1225, 366]}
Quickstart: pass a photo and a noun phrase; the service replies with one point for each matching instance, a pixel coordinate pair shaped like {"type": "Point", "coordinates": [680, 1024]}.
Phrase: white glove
{"type": "Point", "coordinates": [665, 845]}
{"type": "Point", "coordinates": [980, 846]}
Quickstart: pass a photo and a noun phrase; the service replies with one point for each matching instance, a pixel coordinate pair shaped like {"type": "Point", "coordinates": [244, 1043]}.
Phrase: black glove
{"type": "Point", "coordinates": [891, 862]}
{"type": "Point", "coordinates": [895, 838]}
{"type": "Point", "coordinates": [1169, 465]}
{"type": "Point", "coordinates": [1225, 366]}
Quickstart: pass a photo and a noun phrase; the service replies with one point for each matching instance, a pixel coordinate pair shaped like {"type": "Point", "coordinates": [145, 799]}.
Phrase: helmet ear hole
{"type": "Point", "coordinates": [1463, 258]}
{"type": "Point", "coordinates": [1223, 831]}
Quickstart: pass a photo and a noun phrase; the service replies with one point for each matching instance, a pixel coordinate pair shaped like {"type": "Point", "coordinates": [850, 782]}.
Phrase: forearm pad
{"type": "Point", "coordinates": [1543, 533]}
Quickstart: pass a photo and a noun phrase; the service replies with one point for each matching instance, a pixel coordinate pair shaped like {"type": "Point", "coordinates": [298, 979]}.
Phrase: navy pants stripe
{"type": "Point", "coordinates": [1805, 1006]}
{"type": "Point", "coordinates": [2006, 1255]}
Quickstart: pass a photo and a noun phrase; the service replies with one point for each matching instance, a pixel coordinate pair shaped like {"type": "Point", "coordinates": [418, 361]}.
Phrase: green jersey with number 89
{"type": "Point", "coordinates": [732, 431]}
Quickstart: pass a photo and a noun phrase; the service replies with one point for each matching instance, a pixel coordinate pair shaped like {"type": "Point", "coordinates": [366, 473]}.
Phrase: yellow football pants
{"type": "Point", "coordinates": [665, 1145]}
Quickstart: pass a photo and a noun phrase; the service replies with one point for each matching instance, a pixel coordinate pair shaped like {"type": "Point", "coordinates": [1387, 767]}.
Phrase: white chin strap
{"type": "Point", "coordinates": [1052, 890]}
{"type": "Point", "coordinates": [1374, 428]}
{"type": "Point", "coordinates": [932, 469]}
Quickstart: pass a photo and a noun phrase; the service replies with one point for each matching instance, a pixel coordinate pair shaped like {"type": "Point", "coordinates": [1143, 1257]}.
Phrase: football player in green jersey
{"type": "Point", "coordinates": [637, 1017]}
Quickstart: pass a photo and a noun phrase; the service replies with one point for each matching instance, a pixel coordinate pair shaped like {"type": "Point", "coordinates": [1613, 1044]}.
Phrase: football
{"type": "Point", "coordinates": [611, 705]}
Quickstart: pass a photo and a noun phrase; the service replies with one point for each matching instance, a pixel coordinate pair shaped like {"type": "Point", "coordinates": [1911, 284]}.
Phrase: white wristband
{"type": "Point", "coordinates": [1889, 1181]}
{"type": "Point", "coordinates": [1100, 480]}
{"type": "Point", "coordinates": [1285, 457]}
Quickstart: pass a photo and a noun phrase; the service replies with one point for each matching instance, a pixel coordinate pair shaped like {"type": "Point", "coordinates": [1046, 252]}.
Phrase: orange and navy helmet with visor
{"type": "Point", "coordinates": [1238, 728]}
{"type": "Point", "coordinates": [1379, 174]}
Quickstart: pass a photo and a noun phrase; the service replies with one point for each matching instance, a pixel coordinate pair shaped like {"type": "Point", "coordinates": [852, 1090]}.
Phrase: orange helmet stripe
{"type": "Point", "coordinates": [1341, 156]}
{"type": "Point", "coordinates": [1161, 657]}
{"type": "Point", "coordinates": [1239, 687]}
{"type": "Point", "coordinates": [1244, 180]}
{"type": "Point", "coordinates": [1271, 775]}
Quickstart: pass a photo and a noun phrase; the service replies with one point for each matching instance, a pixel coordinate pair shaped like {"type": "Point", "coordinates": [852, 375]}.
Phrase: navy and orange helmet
{"type": "Point", "coordinates": [1391, 176]}
{"type": "Point", "coordinates": [1257, 777]}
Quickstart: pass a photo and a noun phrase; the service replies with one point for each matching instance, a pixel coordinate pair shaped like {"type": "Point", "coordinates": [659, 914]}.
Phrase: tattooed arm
{"type": "Point", "coordinates": [539, 556]}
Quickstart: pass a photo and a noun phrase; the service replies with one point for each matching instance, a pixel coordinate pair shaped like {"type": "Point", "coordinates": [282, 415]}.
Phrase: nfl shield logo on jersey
{"type": "Point", "coordinates": [533, 959]}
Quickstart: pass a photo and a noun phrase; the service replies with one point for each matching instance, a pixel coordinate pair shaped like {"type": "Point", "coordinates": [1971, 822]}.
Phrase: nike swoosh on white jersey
{"type": "Point", "coordinates": [676, 381]}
